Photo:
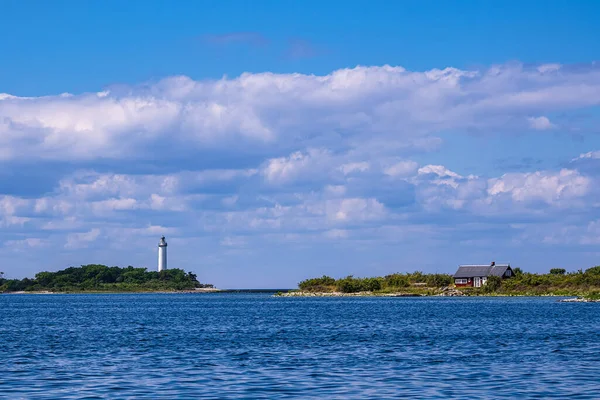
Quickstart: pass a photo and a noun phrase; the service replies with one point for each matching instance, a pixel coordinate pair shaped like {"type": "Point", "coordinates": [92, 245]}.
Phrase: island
{"type": "Point", "coordinates": [583, 285]}
{"type": "Point", "coordinates": [102, 278]}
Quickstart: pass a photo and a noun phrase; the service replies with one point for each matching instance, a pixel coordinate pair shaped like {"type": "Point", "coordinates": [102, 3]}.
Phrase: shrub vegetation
{"type": "Point", "coordinates": [557, 282]}
{"type": "Point", "coordinates": [389, 283]}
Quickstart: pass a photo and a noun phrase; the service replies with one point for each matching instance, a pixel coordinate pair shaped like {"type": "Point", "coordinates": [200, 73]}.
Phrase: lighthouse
{"type": "Point", "coordinates": [162, 254]}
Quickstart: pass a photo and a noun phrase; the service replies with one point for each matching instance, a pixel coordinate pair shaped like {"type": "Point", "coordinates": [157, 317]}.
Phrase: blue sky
{"type": "Point", "coordinates": [272, 141]}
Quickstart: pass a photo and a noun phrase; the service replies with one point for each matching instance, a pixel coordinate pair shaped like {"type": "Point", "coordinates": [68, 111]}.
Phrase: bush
{"type": "Point", "coordinates": [558, 271]}
{"type": "Point", "coordinates": [371, 284]}
{"type": "Point", "coordinates": [493, 284]}
{"type": "Point", "coordinates": [438, 280]}
{"type": "Point", "coordinates": [347, 285]}
{"type": "Point", "coordinates": [593, 271]}
{"type": "Point", "coordinates": [396, 281]}
{"type": "Point", "coordinates": [322, 284]}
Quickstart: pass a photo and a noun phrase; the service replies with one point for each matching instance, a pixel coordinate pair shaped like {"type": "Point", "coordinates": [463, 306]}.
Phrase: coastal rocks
{"type": "Point", "coordinates": [448, 291]}
{"type": "Point", "coordinates": [323, 294]}
{"type": "Point", "coordinates": [579, 300]}
{"type": "Point", "coordinates": [340, 294]}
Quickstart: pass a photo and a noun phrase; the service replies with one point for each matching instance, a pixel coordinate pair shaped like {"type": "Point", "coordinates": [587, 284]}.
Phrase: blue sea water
{"type": "Point", "coordinates": [168, 346]}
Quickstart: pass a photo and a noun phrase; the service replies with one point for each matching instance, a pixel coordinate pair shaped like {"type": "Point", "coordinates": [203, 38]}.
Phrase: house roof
{"type": "Point", "coordinates": [469, 271]}
{"type": "Point", "coordinates": [499, 270]}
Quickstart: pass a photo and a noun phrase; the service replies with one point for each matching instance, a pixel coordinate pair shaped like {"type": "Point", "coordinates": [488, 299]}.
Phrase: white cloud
{"type": "Point", "coordinates": [286, 169]}
{"type": "Point", "coordinates": [354, 210]}
{"type": "Point", "coordinates": [589, 155]}
{"type": "Point", "coordinates": [82, 239]}
{"type": "Point", "coordinates": [114, 205]}
{"type": "Point", "coordinates": [9, 205]}
{"type": "Point", "coordinates": [354, 167]}
{"type": "Point", "coordinates": [11, 220]}
{"type": "Point", "coordinates": [366, 103]}
{"type": "Point", "coordinates": [548, 68]}
{"type": "Point", "coordinates": [439, 175]}
{"type": "Point", "coordinates": [25, 244]}
{"type": "Point", "coordinates": [540, 123]}
{"type": "Point", "coordinates": [546, 186]}
{"type": "Point", "coordinates": [401, 169]}
{"type": "Point", "coordinates": [149, 230]}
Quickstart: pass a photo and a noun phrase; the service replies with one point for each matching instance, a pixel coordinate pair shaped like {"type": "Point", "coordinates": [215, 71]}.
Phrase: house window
{"type": "Point", "coordinates": [460, 281]}
{"type": "Point", "coordinates": [508, 272]}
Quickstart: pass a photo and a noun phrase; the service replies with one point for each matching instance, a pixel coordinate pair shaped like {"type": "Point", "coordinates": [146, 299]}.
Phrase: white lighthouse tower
{"type": "Point", "coordinates": [162, 254]}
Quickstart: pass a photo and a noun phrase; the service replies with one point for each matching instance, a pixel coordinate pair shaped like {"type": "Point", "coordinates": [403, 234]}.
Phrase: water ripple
{"type": "Point", "coordinates": [256, 346]}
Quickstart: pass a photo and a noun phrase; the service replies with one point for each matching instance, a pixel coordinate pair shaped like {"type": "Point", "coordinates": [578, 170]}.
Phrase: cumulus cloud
{"type": "Point", "coordinates": [544, 186]}
{"type": "Point", "coordinates": [286, 169]}
{"type": "Point", "coordinates": [281, 110]}
{"type": "Point", "coordinates": [293, 157]}
{"type": "Point", "coordinates": [540, 123]}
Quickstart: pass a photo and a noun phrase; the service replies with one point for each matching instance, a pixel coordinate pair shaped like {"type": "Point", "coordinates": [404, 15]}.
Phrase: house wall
{"type": "Point", "coordinates": [468, 284]}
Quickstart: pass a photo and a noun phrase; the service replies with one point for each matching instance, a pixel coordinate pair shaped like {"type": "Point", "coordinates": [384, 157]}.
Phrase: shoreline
{"type": "Point", "coordinates": [448, 293]}
{"type": "Point", "coordinates": [198, 290]}
{"type": "Point", "coordinates": [184, 291]}
{"type": "Point", "coordinates": [292, 293]}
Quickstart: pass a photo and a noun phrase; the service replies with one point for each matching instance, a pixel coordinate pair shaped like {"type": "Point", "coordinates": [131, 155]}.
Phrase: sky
{"type": "Point", "coordinates": [275, 141]}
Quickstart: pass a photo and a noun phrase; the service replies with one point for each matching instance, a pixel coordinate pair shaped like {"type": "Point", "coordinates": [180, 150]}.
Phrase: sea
{"type": "Point", "coordinates": [257, 346]}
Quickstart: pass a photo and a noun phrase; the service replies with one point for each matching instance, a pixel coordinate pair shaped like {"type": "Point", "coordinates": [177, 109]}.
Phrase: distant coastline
{"type": "Point", "coordinates": [97, 278]}
{"type": "Point", "coordinates": [192, 291]}
{"type": "Point", "coordinates": [584, 285]}
{"type": "Point", "coordinates": [141, 291]}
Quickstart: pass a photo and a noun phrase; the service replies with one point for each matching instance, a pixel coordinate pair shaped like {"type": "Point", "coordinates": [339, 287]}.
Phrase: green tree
{"type": "Point", "coordinates": [558, 271]}
{"type": "Point", "coordinates": [594, 270]}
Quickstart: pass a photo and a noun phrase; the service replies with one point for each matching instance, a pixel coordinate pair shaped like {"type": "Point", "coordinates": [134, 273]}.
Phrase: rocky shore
{"type": "Point", "coordinates": [448, 291]}
{"type": "Point", "coordinates": [445, 291]}
{"type": "Point", "coordinates": [579, 300]}
{"type": "Point", "coordinates": [340, 294]}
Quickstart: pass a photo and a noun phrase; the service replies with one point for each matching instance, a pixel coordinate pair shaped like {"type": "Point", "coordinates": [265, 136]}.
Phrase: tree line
{"type": "Point", "coordinates": [97, 277]}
